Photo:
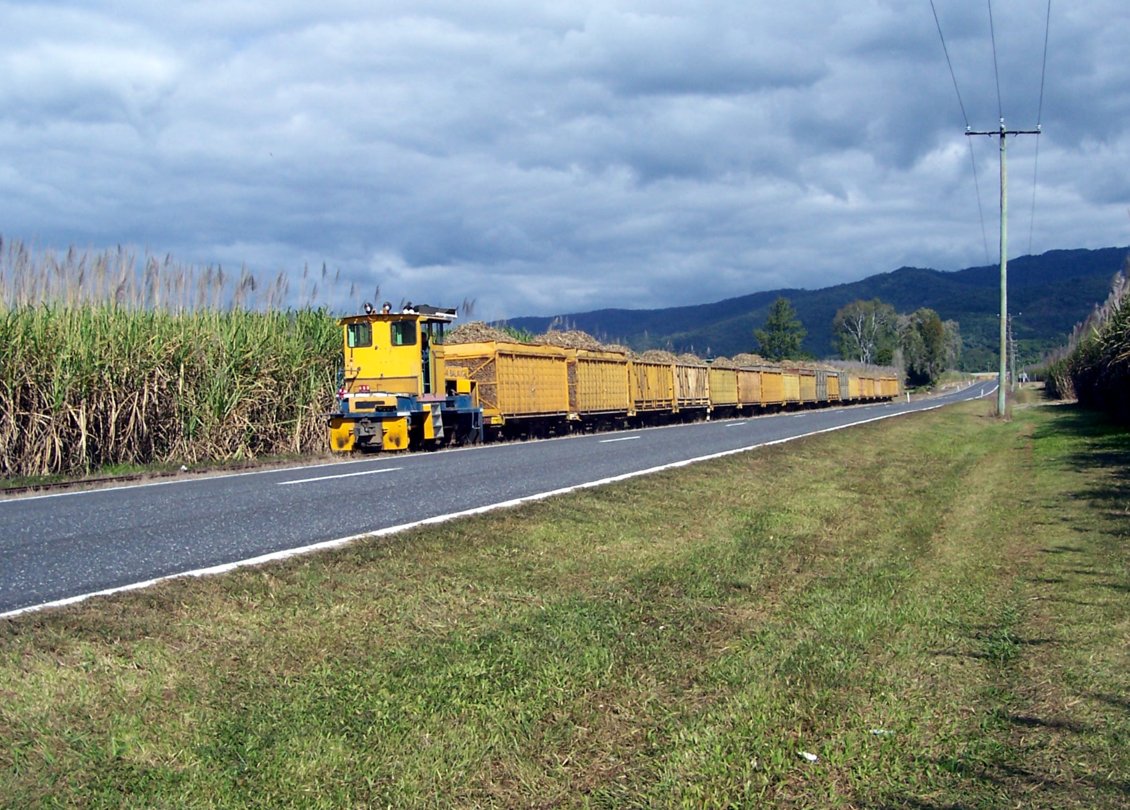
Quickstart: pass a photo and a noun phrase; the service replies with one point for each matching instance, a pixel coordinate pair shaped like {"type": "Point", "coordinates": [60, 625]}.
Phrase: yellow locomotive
{"type": "Point", "coordinates": [394, 391]}
{"type": "Point", "coordinates": [402, 388]}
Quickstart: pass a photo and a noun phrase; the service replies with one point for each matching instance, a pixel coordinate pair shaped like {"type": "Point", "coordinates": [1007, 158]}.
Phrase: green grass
{"type": "Point", "coordinates": [934, 606]}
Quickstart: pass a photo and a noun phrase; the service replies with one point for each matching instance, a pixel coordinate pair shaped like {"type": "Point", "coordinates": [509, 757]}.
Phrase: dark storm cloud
{"type": "Point", "coordinates": [554, 156]}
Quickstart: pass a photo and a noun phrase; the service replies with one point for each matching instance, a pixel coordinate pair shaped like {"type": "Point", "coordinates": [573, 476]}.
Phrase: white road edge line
{"type": "Point", "coordinates": [331, 477]}
{"type": "Point", "coordinates": [438, 519]}
{"type": "Point", "coordinates": [620, 439]}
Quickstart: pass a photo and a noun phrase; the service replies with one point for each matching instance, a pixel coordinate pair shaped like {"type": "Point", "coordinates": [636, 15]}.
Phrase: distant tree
{"type": "Point", "coordinates": [925, 348]}
{"type": "Point", "coordinates": [953, 344]}
{"type": "Point", "coordinates": [867, 331]}
{"type": "Point", "coordinates": [783, 333]}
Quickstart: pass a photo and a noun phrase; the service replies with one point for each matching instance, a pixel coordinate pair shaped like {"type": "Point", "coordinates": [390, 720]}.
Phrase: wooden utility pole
{"type": "Point", "coordinates": [1003, 134]}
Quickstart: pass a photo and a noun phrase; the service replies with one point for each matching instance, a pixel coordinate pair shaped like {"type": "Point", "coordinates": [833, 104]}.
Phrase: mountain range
{"type": "Point", "coordinates": [1048, 295]}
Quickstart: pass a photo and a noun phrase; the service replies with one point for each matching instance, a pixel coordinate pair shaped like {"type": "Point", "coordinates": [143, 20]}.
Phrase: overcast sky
{"type": "Point", "coordinates": [547, 156]}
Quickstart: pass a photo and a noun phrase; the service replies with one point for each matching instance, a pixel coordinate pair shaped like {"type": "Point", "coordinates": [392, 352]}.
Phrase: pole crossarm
{"type": "Point", "coordinates": [1003, 131]}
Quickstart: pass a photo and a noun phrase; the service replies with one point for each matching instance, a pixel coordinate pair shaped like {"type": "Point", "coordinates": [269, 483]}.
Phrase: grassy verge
{"type": "Point", "coordinates": [933, 607]}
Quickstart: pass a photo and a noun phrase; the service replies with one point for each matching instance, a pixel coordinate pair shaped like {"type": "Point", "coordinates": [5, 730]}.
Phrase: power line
{"type": "Point", "coordinates": [946, 51]}
{"type": "Point", "coordinates": [972, 156]}
{"type": "Point", "coordinates": [1044, 67]}
{"type": "Point", "coordinates": [980, 210]}
{"type": "Point", "coordinates": [1039, 122]}
{"type": "Point", "coordinates": [996, 71]}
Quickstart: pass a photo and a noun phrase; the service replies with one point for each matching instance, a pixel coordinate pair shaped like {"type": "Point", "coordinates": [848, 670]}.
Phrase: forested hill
{"type": "Point", "coordinates": [1048, 295]}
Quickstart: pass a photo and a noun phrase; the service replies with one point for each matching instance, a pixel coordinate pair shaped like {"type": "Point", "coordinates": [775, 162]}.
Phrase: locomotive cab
{"type": "Point", "coordinates": [394, 391]}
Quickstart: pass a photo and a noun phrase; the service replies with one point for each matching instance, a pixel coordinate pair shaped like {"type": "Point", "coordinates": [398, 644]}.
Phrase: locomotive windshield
{"type": "Point", "coordinates": [404, 333]}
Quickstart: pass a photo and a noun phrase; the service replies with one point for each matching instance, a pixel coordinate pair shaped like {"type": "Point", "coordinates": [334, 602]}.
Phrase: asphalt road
{"type": "Point", "coordinates": [64, 547]}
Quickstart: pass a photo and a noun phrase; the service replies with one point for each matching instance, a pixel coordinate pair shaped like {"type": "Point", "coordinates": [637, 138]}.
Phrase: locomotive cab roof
{"type": "Point", "coordinates": [424, 311]}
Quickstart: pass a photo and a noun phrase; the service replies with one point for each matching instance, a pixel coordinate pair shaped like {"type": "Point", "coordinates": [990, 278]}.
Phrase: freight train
{"type": "Point", "coordinates": [402, 388]}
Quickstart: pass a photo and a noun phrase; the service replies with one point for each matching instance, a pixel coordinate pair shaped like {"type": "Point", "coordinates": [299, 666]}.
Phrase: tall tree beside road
{"type": "Point", "coordinates": [927, 344]}
{"type": "Point", "coordinates": [867, 331]}
{"type": "Point", "coordinates": [783, 334]}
